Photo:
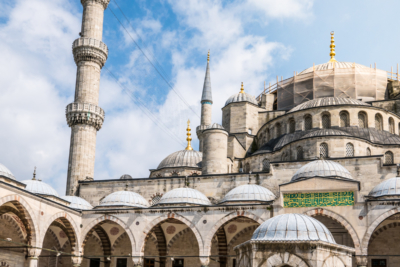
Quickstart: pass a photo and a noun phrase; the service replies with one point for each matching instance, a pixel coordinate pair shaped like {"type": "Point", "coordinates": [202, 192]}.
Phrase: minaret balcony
{"type": "Point", "coordinates": [89, 49]}
{"type": "Point", "coordinates": [85, 113]}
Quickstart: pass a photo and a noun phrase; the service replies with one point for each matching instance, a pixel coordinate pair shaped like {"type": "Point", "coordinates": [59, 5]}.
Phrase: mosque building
{"type": "Point", "coordinates": [303, 175]}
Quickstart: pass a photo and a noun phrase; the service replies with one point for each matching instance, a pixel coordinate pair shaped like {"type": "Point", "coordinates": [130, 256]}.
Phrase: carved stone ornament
{"type": "Point", "coordinates": [84, 113]}
{"type": "Point", "coordinates": [102, 2]}
{"type": "Point", "coordinates": [89, 49]}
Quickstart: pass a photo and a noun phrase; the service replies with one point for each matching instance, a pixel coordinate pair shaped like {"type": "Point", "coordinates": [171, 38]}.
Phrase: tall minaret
{"type": "Point", "coordinates": [84, 116]}
{"type": "Point", "coordinates": [206, 104]}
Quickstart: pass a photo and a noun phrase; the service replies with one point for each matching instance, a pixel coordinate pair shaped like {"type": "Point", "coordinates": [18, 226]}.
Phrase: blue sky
{"type": "Point", "coordinates": [251, 41]}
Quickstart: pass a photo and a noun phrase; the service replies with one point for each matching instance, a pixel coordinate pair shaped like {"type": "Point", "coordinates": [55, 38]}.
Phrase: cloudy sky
{"type": "Point", "coordinates": [156, 91]}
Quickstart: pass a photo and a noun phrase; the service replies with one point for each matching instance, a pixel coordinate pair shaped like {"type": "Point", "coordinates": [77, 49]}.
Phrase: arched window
{"type": "Point", "coordinates": [362, 120]}
{"type": "Point", "coordinates": [307, 122]}
{"type": "Point", "coordinates": [247, 168]}
{"type": "Point", "coordinates": [158, 175]}
{"type": "Point", "coordinates": [349, 150]}
{"type": "Point", "coordinates": [323, 150]}
{"type": "Point", "coordinates": [292, 126]}
{"type": "Point", "coordinates": [155, 198]}
{"type": "Point", "coordinates": [368, 151]}
{"type": "Point", "coordinates": [175, 173]}
{"type": "Point", "coordinates": [389, 157]}
{"type": "Point", "coordinates": [391, 125]}
{"type": "Point", "coordinates": [278, 129]}
{"type": "Point", "coordinates": [344, 119]}
{"type": "Point", "coordinates": [266, 165]}
{"type": "Point", "coordinates": [378, 122]}
{"type": "Point", "coordinates": [326, 121]}
{"type": "Point", "coordinates": [299, 153]}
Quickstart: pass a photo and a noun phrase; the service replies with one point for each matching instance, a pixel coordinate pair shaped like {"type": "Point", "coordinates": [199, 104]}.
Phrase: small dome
{"type": "Point", "coordinates": [184, 196]}
{"type": "Point", "coordinates": [241, 97]}
{"type": "Point", "coordinates": [322, 168]}
{"type": "Point", "coordinates": [125, 177]}
{"type": "Point", "coordinates": [77, 203]}
{"type": "Point", "coordinates": [328, 101]}
{"type": "Point", "coordinates": [330, 66]}
{"type": "Point", "coordinates": [39, 187]}
{"type": "Point", "coordinates": [124, 198]}
{"type": "Point", "coordinates": [249, 192]}
{"type": "Point", "coordinates": [182, 158]}
{"type": "Point", "coordinates": [215, 126]}
{"type": "Point", "coordinates": [292, 227]}
{"type": "Point", "coordinates": [325, 132]}
{"type": "Point", "coordinates": [389, 187]}
{"type": "Point", "coordinates": [4, 171]}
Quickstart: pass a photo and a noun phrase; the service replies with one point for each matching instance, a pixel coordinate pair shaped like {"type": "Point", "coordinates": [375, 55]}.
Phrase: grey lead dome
{"type": "Point", "coordinates": [249, 192]}
{"type": "Point", "coordinates": [184, 196]}
{"type": "Point", "coordinates": [4, 171]}
{"type": "Point", "coordinates": [292, 227]}
{"type": "Point", "coordinates": [322, 168]}
{"type": "Point", "coordinates": [241, 97]}
{"type": "Point", "coordinates": [328, 101]}
{"type": "Point", "coordinates": [124, 198]}
{"type": "Point", "coordinates": [77, 203]}
{"type": "Point", "coordinates": [389, 187]}
{"type": "Point", "coordinates": [182, 158]}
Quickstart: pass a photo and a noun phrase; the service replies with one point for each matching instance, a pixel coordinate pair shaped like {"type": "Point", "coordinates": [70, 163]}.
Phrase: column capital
{"type": "Point", "coordinates": [104, 3]}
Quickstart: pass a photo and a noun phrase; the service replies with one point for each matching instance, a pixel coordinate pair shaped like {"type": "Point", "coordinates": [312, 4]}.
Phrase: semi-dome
{"type": "Point", "coordinates": [248, 192]}
{"type": "Point", "coordinates": [124, 198]}
{"type": "Point", "coordinates": [292, 227]}
{"type": "Point", "coordinates": [77, 203]}
{"type": "Point", "coordinates": [4, 171]}
{"type": "Point", "coordinates": [322, 168]}
{"type": "Point", "coordinates": [184, 196]}
{"type": "Point", "coordinates": [389, 187]}
{"type": "Point", "coordinates": [336, 65]}
{"type": "Point", "coordinates": [39, 187]}
{"type": "Point", "coordinates": [125, 176]}
{"type": "Point", "coordinates": [328, 101]}
{"type": "Point", "coordinates": [182, 158]}
{"type": "Point", "coordinates": [241, 97]}
{"type": "Point", "coordinates": [326, 132]}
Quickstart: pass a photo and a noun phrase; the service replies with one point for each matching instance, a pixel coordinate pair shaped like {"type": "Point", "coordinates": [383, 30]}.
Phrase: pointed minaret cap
{"type": "Point", "coordinates": [206, 97]}
{"type": "Point", "coordinates": [189, 138]}
{"type": "Point", "coordinates": [332, 46]}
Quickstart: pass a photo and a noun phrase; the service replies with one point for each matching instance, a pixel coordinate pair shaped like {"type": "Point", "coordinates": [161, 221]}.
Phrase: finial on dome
{"type": "Point", "coordinates": [332, 46]}
{"type": "Point", "coordinates": [189, 138]}
{"type": "Point", "coordinates": [242, 89]}
{"type": "Point", "coordinates": [34, 174]}
{"type": "Point", "coordinates": [208, 56]}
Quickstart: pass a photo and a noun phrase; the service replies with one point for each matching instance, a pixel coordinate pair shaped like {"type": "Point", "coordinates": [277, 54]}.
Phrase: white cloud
{"type": "Point", "coordinates": [297, 9]}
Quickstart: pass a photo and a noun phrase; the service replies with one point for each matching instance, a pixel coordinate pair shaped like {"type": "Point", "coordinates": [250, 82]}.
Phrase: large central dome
{"type": "Point", "coordinates": [328, 101]}
{"type": "Point", "coordinates": [336, 65]}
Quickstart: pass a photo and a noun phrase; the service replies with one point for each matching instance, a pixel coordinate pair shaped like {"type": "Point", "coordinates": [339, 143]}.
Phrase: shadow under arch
{"type": "Point", "coordinates": [67, 224]}
{"type": "Point", "coordinates": [336, 217]}
{"type": "Point", "coordinates": [24, 212]}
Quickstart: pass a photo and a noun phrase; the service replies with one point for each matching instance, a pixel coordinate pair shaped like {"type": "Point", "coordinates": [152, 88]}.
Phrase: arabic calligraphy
{"type": "Point", "coordinates": [328, 199]}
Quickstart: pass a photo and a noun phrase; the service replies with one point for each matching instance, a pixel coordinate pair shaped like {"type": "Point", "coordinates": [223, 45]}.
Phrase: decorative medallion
{"type": "Point", "coordinates": [232, 228]}
{"type": "Point", "coordinates": [114, 231]}
{"type": "Point", "coordinates": [171, 229]}
{"type": "Point", "coordinates": [329, 199]}
{"type": "Point", "coordinates": [62, 234]}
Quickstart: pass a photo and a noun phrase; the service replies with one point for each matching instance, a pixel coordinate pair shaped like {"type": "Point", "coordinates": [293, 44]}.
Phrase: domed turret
{"type": "Point", "coordinates": [125, 177]}
{"type": "Point", "coordinates": [77, 203]}
{"type": "Point", "coordinates": [292, 227]}
{"type": "Point", "coordinates": [4, 171]}
{"type": "Point", "coordinates": [39, 187]}
{"type": "Point", "coordinates": [242, 96]}
{"type": "Point", "coordinates": [249, 192]}
{"type": "Point", "coordinates": [184, 196]}
{"type": "Point", "coordinates": [182, 158]}
{"type": "Point", "coordinates": [322, 168]}
{"type": "Point", "coordinates": [390, 187]}
{"type": "Point", "coordinates": [124, 198]}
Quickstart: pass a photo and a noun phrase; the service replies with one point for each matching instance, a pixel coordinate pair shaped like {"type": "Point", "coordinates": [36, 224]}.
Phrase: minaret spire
{"type": "Point", "coordinates": [332, 46]}
{"type": "Point", "coordinates": [207, 96]}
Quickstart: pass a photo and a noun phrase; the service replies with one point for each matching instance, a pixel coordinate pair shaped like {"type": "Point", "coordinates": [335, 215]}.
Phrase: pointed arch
{"type": "Point", "coordinates": [342, 221]}
{"type": "Point", "coordinates": [286, 258]}
{"type": "Point", "coordinates": [26, 214]}
{"type": "Point", "coordinates": [223, 221]}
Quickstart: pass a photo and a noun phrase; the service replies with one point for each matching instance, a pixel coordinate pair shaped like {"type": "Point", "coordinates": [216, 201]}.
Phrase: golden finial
{"type": "Point", "coordinates": [242, 89]}
{"type": "Point", "coordinates": [34, 174]}
{"type": "Point", "coordinates": [189, 138]}
{"type": "Point", "coordinates": [208, 56]}
{"type": "Point", "coordinates": [332, 46]}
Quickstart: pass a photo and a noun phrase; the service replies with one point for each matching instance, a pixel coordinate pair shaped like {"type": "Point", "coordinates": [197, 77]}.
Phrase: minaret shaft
{"type": "Point", "coordinates": [84, 116]}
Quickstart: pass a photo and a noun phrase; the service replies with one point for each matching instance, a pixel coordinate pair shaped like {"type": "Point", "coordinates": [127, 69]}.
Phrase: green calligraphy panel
{"type": "Point", "coordinates": [328, 199]}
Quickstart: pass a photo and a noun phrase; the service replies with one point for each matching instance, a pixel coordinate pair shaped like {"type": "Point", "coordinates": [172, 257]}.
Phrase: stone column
{"type": "Point", "coordinates": [76, 261]}
{"type": "Point", "coordinates": [33, 261]}
{"type": "Point", "coordinates": [33, 257]}
{"type": "Point", "coordinates": [361, 261]}
{"type": "Point", "coordinates": [84, 116]}
{"type": "Point", "coordinates": [204, 261]}
{"type": "Point", "coordinates": [137, 261]}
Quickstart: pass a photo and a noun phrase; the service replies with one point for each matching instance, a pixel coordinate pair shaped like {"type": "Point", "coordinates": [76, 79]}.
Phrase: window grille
{"type": "Point", "coordinates": [300, 153]}
{"type": "Point", "coordinates": [292, 126]}
{"type": "Point", "coordinates": [391, 125]}
{"type": "Point", "coordinates": [323, 150]}
{"type": "Point", "coordinates": [368, 151]}
{"type": "Point", "coordinates": [344, 119]}
{"type": "Point", "coordinates": [155, 199]}
{"type": "Point", "coordinates": [326, 121]}
{"type": "Point", "coordinates": [378, 122]}
{"type": "Point", "coordinates": [388, 157]}
{"type": "Point", "coordinates": [349, 150]}
{"type": "Point", "coordinates": [308, 123]}
{"type": "Point", "coordinates": [266, 165]}
{"type": "Point", "coordinates": [362, 122]}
